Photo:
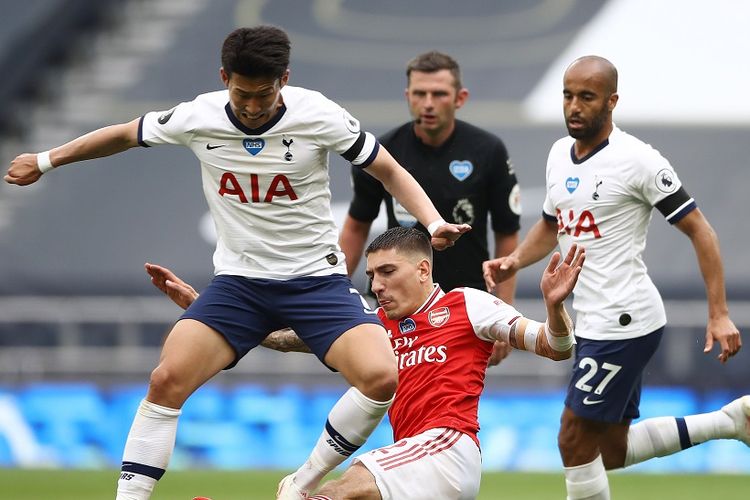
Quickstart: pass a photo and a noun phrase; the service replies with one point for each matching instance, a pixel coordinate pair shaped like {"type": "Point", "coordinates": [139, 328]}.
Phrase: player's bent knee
{"type": "Point", "coordinates": [365, 358]}
{"type": "Point", "coordinates": [166, 388]}
{"type": "Point", "coordinates": [379, 383]}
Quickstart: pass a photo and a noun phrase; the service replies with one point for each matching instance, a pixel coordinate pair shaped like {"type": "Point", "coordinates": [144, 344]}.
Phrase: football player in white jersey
{"type": "Point", "coordinates": [601, 187]}
{"type": "Point", "coordinates": [263, 148]}
{"type": "Point", "coordinates": [443, 341]}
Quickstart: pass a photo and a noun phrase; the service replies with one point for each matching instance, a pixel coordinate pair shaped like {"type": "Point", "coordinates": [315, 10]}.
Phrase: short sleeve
{"type": "Point", "coordinates": [655, 178]}
{"type": "Point", "coordinates": [488, 314]}
{"type": "Point", "coordinates": [173, 126]}
{"type": "Point", "coordinates": [340, 132]}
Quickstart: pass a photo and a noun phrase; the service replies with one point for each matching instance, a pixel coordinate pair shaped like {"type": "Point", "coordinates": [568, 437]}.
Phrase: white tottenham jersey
{"type": "Point", "coordinates": [267, 188]}
{"type": "Point", "coordinates": [603, 202]}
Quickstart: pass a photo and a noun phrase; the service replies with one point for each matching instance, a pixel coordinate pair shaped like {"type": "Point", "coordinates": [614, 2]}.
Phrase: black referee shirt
{"type": "Point", "coordinates": [467, 178]}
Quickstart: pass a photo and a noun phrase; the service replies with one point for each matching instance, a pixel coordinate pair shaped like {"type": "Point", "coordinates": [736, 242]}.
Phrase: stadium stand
{"type": "Point", "coordinates": [36, 36]}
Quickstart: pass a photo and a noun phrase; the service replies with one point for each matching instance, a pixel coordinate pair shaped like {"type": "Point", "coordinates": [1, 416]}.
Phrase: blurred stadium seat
{"type": "Point", "coordinates": [71, 418]}
{"type": "Point", "coordinates": [207, 404]}
{"type": "Point", "coordinates": [252, 426]}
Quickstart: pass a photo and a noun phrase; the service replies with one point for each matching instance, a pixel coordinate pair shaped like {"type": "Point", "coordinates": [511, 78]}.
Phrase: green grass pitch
{"type": "Point", "coordinates": [17, 484]}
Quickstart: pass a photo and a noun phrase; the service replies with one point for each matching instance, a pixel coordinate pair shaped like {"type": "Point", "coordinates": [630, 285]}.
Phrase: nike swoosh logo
{"type": "Point", "coordinates": [214, 146]}
{"type": "Point", "coordinates": [587, 401]}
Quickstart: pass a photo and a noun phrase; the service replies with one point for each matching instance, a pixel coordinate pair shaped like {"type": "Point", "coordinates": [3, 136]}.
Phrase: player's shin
{"type": "Point", "coordinates": [147, 450]}
{"type": "Point", "coordinates": [349, 424]}
{"type": "Point", "coordinates": [588, 481]}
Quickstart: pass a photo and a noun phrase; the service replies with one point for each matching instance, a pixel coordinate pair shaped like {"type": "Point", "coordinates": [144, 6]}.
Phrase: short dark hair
{"type": "Point", "coordinates": [260, 51]}
{"type": "Point", "coordinates": [406, 239]}
{"type": "Point", "coordinates": [432, 62]}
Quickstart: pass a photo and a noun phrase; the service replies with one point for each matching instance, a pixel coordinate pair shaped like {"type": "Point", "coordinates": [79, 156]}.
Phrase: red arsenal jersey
{"type": "Point", "coordinates": [442, 351]}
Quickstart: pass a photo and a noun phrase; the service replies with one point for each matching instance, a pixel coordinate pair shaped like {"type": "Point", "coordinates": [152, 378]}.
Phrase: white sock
{"type": "Point", "coordinates": [350, 422]}
{"type": "Point", "coordinates": [662, 436]}
{"type": "Point", "coordinates": [587, 481]}
{"type": "Point", "coordinates": [147, 450]}
{"type": "Point", "coordinates": [707, 426]}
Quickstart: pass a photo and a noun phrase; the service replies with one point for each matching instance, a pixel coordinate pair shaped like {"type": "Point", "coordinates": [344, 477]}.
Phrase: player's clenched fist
{"type": "Point", "coordinates": [23, 170]}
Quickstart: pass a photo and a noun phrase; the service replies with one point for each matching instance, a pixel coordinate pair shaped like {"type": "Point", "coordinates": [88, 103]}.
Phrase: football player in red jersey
{"type": "Point", "coordinates": [442, 341]}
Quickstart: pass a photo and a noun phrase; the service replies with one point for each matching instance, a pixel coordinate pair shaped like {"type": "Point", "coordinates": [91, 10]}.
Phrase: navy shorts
{"type": "Point", "coordinates": [245, 310]}
{"type": "Point", "coordinates": [607, 377]}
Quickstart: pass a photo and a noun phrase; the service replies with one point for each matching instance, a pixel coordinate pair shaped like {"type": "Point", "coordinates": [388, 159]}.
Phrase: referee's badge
{"type": "Point", "coordinates": [461, 169]}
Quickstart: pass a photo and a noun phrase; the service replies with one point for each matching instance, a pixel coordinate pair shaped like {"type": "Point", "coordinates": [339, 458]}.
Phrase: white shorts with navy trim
{"type": "Point", "coordinates": [439, 463]}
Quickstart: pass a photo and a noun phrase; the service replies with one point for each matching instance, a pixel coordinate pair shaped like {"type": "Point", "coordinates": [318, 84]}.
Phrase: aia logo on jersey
{"type": "Point", "coordinates": [279, 186]}
{"type": "Point", "coordinates": [253, 146]}
{"type": "Point", "coordinates": [407, 326]}
{"type": "Point", "coordinates": [576, 226]}
{"type": "Point", "coordinates": [439, 317]}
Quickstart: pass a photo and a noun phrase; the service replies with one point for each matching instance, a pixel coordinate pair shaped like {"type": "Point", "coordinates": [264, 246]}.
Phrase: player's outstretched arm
{"type": "Point", "coordinates": [352, 240]}
{"type": "Point", "coordinates": [539, 242]}
{"type": "Point", "coordinates": [407, 191]}
{"type": "Point", "coordinates": [27, 168]}
{"type": "Point", "coordinates": [554, 338]}
{"type": "Point", "coordinates": [720, 329]}
{"type": "Point", "coordinates": [182, 294]}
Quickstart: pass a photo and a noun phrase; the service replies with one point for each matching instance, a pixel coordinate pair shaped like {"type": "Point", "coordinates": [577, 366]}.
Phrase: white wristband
{"type": "Point", "coordinates": [432, 227]}
{"type": "Point", "coordinates": [559, 344]}
{"type": "Point", "coordinates": [43, 162]}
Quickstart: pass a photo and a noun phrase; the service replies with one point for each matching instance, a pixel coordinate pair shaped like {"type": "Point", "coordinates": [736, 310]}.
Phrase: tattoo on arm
{"type": "Point", "coordinates": [285, 340]}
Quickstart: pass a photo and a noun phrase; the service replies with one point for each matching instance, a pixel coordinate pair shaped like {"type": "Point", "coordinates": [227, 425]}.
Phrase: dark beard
{"type": "Point", "coordinates": [592, 130]}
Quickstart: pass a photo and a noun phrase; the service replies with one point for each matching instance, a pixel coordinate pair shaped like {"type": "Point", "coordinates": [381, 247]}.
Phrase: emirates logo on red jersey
{"type": "Point", "coordinates": [439, 317]}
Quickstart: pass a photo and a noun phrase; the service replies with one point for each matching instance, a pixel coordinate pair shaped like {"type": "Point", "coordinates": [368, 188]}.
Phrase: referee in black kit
{"type": "Point", "coordinates": [465, 171]}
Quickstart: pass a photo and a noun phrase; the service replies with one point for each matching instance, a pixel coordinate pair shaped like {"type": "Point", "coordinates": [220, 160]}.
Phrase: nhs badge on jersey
{"type": "Point", "coordinates": [571, 184]}
{"type": "Point", "coordinates": [439, 317]}
{"type": "Point", "coordinates": [407, 326]}
{"type": "Point", "coordinates": [461, 170]}
{"type": "Point", "coordinates": [254, 146]}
